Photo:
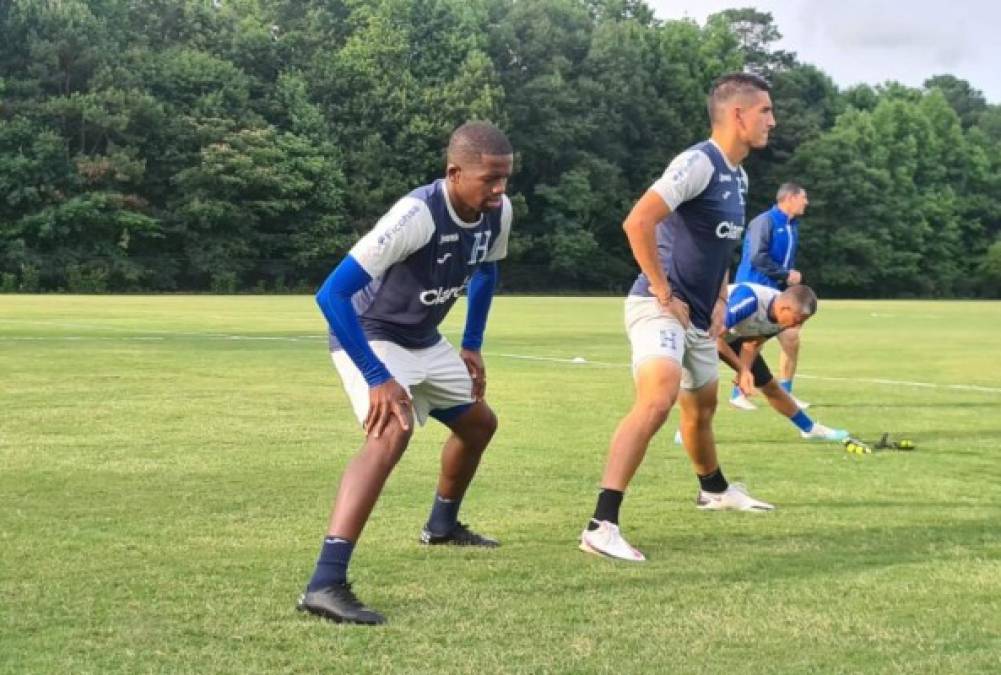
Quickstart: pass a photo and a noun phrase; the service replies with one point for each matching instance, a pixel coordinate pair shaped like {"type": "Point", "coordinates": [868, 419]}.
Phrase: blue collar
{"type": "Point", "coordinates": [780, 218]}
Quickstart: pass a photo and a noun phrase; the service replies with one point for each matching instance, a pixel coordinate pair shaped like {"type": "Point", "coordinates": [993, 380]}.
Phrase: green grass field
{"type": "Point", "coordinates": [166, 467]}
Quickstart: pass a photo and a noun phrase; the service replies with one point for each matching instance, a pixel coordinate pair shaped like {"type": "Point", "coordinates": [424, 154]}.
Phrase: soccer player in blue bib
{"type": "Point", "coordinates": [755, 314]}
{"type": "Point", "coordinates": [683, 232]}
{"type": "Point", "coordinates": [769, 259]}
{"type": "Point", "coordinates": [384, 303]}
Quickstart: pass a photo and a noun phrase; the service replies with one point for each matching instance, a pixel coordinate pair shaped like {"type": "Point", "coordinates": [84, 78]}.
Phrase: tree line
{"type": "Point", "coordinates": [233, 145]}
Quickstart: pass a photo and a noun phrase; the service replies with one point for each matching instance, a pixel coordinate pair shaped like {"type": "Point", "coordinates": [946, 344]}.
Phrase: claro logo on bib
{"type": "Point", "coordinates": [728, 230]}
{"type": "Point", "coordinates": [441, 295]}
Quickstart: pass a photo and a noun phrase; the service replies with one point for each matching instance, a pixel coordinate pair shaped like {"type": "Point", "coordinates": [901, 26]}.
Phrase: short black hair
{"type": "Point", "coordinates": [473, 139]}
{"type": "Point", "coordinates": [731, 85]}
{"type": "Point", "coordinates": [804, 297]}
{"type": "Point", "coordinates": [788, 189]}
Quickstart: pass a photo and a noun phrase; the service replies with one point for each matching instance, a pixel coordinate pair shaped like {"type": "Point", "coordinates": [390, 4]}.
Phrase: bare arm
{"type": "Point", "coordinates": [741, 363]}
{"type": "Point", "coordinates": [726, 353]}
{"type": "Point", "coordinates": [717, 326]}
{"type": "Point", "coordinates": [749, 351]}
{"type": "Point", "coordinates": [641, 230]}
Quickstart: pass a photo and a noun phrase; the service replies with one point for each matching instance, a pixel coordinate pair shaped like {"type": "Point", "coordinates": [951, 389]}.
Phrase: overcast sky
{"type": "Point", "coordinates": [877, 40]}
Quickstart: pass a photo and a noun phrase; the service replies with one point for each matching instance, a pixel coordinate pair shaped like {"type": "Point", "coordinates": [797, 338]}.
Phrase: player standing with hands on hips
{"type": "Point", "coordinates": [384, 303]}
{"type": "Point", "coordinates": [683, 232]}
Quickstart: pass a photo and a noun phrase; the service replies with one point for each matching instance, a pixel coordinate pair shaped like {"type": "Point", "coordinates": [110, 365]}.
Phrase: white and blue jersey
{"type": "Point", "coordinates": [769, 249]}
{"type": "Point", "coordinates": [695, 243]}
{"type": "Point", "coordinates": [749, 312]}
{"type": "Point", "coordinates": [400, 280]}
{"type": "Point", "coordinates": [421, 256]}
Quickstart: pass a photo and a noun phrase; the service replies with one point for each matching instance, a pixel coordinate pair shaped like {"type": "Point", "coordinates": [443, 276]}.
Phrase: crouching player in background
{"type": "Point", "coordinates": [754, 314]}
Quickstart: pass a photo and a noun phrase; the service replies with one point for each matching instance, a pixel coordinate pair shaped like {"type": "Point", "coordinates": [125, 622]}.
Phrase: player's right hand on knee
{"type": "Point", "coordinates": [386, 401]}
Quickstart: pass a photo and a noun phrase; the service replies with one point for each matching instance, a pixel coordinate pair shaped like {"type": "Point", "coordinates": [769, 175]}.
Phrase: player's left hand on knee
{"type": "Point", "coordinates": [477, 371]}
{"type": "Point", "coordinates": [387, 401]}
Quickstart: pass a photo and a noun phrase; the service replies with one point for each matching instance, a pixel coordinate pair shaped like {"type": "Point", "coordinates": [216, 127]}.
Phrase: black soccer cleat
{"type": "Point", "coordinates": [460, 535]}
{"type": "Point", "coordinates": [339, 604]}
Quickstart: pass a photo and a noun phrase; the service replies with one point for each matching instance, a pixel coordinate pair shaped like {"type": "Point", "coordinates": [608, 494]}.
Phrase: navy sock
{"type": "Point", "coordinates": [787, 385]}
{"type": "Point", "coordinates": [802, 420]}
{"type": "Point", "coordinates": [714, 482]}
{"type": "Point", "coordinates": [332, 567]}
{"type": "Point", "coordinates": [607, 508]}
{"type": "Point", "coordinates": [444, 515]}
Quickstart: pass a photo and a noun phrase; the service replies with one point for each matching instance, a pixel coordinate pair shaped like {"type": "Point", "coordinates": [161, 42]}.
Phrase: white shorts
{"type": "Point", "coordinates": [435, 378]}
{"type": "Point", "coordinates": [654, 334]}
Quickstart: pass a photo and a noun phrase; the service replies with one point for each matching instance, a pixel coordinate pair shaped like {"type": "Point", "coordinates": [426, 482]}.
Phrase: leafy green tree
{"type": "Point", "coordinates": [969, 103]}
{"type": "Point", "coordinates": [860, 97]}
{"type": "Point", "coordinates": [260, 205]}
{"type": "Point", "coordinates": [63, 215]}
{"type": "Point", "coordinates": [889, 208]}
{"type": "Point", "coordinates": [756, 32]}
{"type": "Point", "coordinates": [227, 144]}
{"type": "Point", "coordinates": [990, 270]}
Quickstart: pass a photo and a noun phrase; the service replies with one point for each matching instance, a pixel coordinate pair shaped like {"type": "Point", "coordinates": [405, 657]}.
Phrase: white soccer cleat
{"type": "Point", "coordinates": [821, 433]}
{"type": "Point", "coordinates": [608, 541]}
{"type": "Point", "coordinates": [735, 498]}
{"type": "Point", "coordinates": [741, 402]}
{"type": "Point", "coordinates": [802, 405]}
{"type": "Point", "coordinates": [677, 437]}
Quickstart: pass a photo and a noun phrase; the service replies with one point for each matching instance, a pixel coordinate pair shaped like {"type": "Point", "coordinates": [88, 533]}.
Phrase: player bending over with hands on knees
{"type": "Point", "coordinates": [754, 314]}
{"type": "Point", "coordinates": [384, 303]}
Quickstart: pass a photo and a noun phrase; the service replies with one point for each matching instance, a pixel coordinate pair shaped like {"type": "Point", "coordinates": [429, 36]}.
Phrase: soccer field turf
{"type": "Point", "coordinates": [167, 463]}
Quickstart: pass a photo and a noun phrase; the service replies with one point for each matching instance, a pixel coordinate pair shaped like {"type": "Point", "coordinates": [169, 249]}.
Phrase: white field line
{"type": "Point", "coordinates": [905, 383]}
{"type": "Point", "coordinates": [102, 327]}
{"type": "Point", "coordinates": [574, 361]}
{"type": "Point", "coordinates": [896, 383]}
{"type": "Point", "coordinates": [122, 338]}
{"type": "Point", "coordinates": [142, 334]}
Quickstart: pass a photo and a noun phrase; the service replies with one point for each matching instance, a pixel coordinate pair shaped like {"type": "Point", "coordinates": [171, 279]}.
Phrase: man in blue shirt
{"type": "Point", "coordinates": [769, 259]}
{"type": "Point", "coordinates": [383, 304]}
{"type": "Point", "coordinates": [683, 232]}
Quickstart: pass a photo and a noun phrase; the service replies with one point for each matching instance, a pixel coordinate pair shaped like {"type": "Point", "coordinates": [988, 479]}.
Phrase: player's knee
{"type": "Point", "coordinates": [477, 427]}
{"type": "Point", "coordinates": [402, 436]}
{"type": "Point", "coordinates": [770, 388]}
{"type": "Point", "coordinates": [489, 424]}
{"type": "Point", "coordinates": [705, 412]}
{"type": "Point", "coordinates": [790, 343]}
{"type": "Point", "coordinates": [700, 414]}
{"type": "Point", "coordinates": [653, 412]}
{"type": "Point", "coordinates": [484, 429]}
{"type": "Point", "coordinates": [390, 446]}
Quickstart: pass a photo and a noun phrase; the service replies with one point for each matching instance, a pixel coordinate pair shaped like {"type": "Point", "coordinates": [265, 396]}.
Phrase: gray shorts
{"type": "Point", "coordinates": [654, 334]}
